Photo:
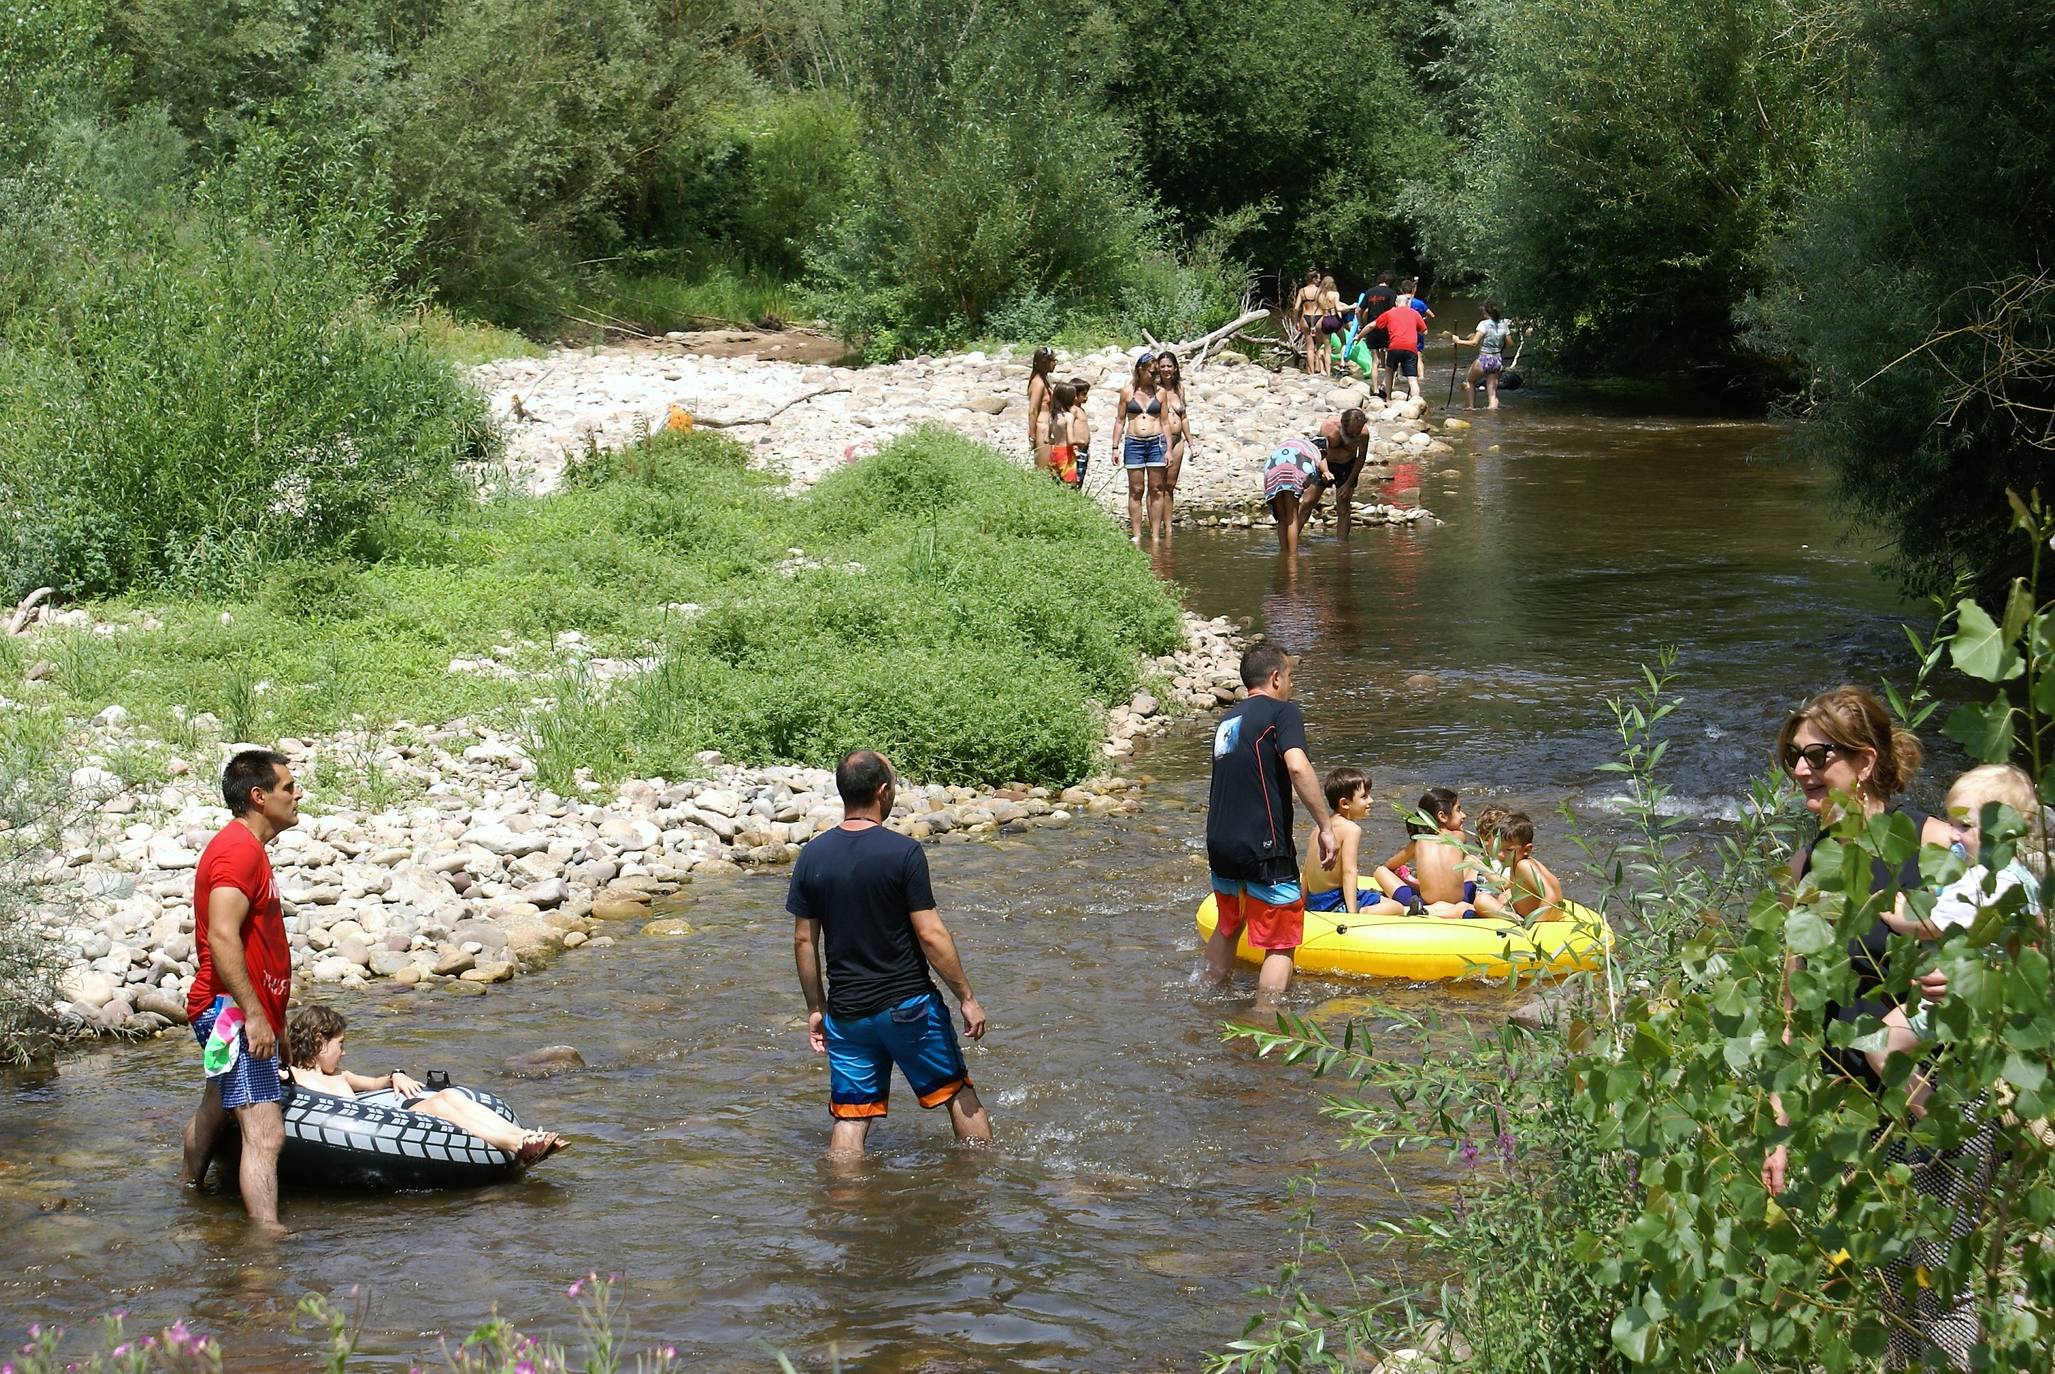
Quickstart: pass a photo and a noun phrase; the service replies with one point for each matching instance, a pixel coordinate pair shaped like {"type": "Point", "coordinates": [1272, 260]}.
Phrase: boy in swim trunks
{"type": "Point", "coordinates": [1344, 440]}
{"type": "Point", "coordinates": [1525, 888]}
{"type": "Point", "coordinates": [1062, 455]}
{"type": "Point", "coordinates": [1337, 886]}
{"type": "Point", "coordinates": [1432, 876]}
{"type": "Point", "coordinates": [314, 1047]}
{"type": "Point", "coordinates": [1080, 427]}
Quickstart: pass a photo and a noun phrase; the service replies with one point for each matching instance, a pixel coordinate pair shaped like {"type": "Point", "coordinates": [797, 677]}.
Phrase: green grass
{"type": "Point", "coordinates": [467, 343]}
{"type": "Point", "coordinates": [963, 615]}
{"type": "Point", "coordinates": [655, 301]}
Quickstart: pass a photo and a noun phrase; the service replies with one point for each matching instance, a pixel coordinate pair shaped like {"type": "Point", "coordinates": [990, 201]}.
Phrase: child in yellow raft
{"type": "Point", "coordinates": [1432, 876]}
{"type": "Point", "coordinates": [1523, 889]}
{"type": "Point", "coordinates": [1336, 887]}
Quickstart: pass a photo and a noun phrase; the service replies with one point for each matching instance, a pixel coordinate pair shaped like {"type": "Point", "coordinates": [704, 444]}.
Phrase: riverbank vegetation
{"type": "Point", "coordinates": [1762, 195]}
{"type": "Point", "coordinates": [1612, 1212]}
{"type": "Point", "coordinates": [935, 601]}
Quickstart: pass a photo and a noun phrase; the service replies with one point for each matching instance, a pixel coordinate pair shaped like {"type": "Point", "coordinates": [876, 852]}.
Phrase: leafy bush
{"type": "Point", "coordinates": [1612, 1213]}
{"type": "Point", "coordinates": [1620, 173]}
{"type": "Point", "coordinates": [37, 802]}
{"type": "Point", "coordinates": [1930, 372]}
{"type": "Point", "coordinates": [197, 396]}
{"type": "Point", "coordinates": [948, 608]}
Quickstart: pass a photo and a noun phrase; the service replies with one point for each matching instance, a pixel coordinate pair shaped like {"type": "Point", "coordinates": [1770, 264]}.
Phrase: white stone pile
{"type": "Point", "coordinates": [555, 408]}
{"type": "Point", "coordinates": [480, 870]}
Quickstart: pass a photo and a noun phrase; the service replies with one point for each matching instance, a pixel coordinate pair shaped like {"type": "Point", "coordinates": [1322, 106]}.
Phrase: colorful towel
{"type": "Point", "coordinates": [224, 1047]}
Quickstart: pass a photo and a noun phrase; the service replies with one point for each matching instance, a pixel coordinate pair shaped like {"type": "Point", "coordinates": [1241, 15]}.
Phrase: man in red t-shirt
{"type": "Point", "coordinates": [244, 977]}
{"type": "Point", "coordinates": [1404, 325]}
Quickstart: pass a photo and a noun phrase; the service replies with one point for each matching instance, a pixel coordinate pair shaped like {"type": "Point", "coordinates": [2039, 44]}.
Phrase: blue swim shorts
{"type": "Point", "coordinates": [917, 1035]}
{"type": "Point", "coordinates": [251, 1080]}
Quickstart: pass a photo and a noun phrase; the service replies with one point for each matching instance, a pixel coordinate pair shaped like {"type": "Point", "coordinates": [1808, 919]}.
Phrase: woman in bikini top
{"type": "Point", "coordinates": [1306, 305]}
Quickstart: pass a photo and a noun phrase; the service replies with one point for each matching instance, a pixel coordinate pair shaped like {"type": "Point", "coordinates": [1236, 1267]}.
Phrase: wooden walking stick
{"type": "Point", "coordinates": [1455, 361]}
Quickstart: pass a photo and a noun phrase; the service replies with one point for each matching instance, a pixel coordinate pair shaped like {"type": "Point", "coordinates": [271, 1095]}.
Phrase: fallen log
{"type": "Point", "coordinates": [20, 619]}
{"type": "Point", "coordinates": [766, 419]}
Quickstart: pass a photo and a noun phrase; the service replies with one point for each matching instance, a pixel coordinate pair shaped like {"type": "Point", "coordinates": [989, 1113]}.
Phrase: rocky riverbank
{"type": "Point", "coordinates": [816, 416]}
{"type": "Point", "coordinates": [479, 871]}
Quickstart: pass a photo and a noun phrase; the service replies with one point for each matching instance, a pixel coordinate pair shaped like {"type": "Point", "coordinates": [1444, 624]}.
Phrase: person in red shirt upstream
{"type": "Point", "coordinates": [244, 977]}
{"type": "Point", "coordinates": [1405, 327]}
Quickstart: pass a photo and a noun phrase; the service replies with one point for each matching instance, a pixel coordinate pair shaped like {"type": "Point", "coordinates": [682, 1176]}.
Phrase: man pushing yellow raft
{"type": "Point", "coordinates": [1427, 948]}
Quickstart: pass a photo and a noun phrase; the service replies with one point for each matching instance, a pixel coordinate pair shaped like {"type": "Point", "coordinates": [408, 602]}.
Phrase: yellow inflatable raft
{"type": "Point", "coordinates": [1427, 948]}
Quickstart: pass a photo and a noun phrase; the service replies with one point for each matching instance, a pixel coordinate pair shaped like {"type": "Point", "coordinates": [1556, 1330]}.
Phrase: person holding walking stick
{"type": "Point", "coordinates": [1489, 339]}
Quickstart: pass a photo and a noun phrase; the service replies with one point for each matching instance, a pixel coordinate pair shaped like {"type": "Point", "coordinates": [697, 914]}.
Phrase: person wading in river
{"type": "Point", "coordinates": [862, 891]}
{"type": "Point", "coordinates": [237, 1001]}
{"type": "Point", "coordinates": [1259, 761]}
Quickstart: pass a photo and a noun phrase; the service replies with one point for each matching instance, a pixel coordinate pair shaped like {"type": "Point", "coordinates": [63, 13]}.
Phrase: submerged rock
{"type": "Point", "coordinates": [543, 1062]}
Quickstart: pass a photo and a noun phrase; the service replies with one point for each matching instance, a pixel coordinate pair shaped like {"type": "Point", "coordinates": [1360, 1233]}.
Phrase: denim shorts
{"type": "Point", "coordinates": [250, 1080]}
{"type": "Point", "coordinates": [1151, 452]}
{"type": "Point", "coordinates": [916, 1034]}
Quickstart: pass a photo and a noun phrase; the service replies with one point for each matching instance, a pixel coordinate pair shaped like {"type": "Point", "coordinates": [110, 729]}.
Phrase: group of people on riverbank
{"type": "Point", "coordinates": [1382, 335]}
{"type": "Point", "coordinates": [1150, 441]}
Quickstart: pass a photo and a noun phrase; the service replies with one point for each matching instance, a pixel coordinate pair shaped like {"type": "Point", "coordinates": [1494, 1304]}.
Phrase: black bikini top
{"type": "Point", "coordinates": [1135, 407]}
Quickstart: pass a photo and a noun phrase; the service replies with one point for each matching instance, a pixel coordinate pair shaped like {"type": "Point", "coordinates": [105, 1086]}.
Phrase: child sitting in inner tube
{"type": "Point", "coordinates": [314, 1049]}
{"type": "Point", "coordinates": [1432, 876]}
{"type": "Point", "coordinates": [1520, 885]}
{"type": "Point", "coordinates": [1336, 888]}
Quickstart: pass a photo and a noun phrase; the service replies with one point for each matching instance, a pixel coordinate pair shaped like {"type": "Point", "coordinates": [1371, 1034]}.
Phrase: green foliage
{"type": "Point", "coordinates": [37, 803]}
{"type": "Point", "coordinates": [1301, 108]}
{"type": "Point", "coordinates": [1914, 288]}
{"type": "Point", "coordinates": [980, 188]}
{"type": "Point", "coordinates": [1613, 1212]}
{"type": "Point", "coordinates": [192, 397]}
{"type": "Point", "coordinates": [948, 608]}
{"type": "Point", "coordinates": [1622, 169]}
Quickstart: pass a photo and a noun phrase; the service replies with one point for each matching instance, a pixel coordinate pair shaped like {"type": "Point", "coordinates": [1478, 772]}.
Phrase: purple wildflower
{"type": "Point", "coordinates": [178, 1334]}
{"type": "Point", "coordinates": [1469, 1152]}
{"type": "Point", "coordinates": [577, 1287]}
{"type": "Point", "coordinates": [1506, 1146]}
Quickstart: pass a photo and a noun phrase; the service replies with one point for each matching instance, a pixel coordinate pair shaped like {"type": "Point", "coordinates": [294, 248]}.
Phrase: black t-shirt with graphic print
{"type": "Point", "coordinates": [1249, 810]}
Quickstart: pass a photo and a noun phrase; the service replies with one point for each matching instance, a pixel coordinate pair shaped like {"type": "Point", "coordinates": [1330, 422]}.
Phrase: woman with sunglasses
{"type": "Point", "coordinates": [1846, 755]}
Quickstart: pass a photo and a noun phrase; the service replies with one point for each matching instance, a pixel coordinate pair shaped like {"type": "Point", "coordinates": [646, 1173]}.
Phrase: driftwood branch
{"type": "Point", "coordinates": [1205, 342]}
{"type": "Point", "coordinates": [20, 619]}
{"type": "Point", "coordinates": [766, 419]}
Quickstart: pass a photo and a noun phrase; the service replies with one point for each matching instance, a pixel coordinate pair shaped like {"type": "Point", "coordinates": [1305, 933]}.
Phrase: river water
{"type": "Point", "coordinates": [1140, 1187]}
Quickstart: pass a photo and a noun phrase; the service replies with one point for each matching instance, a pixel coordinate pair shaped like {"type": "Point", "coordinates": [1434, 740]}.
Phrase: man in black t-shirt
{"type": "Point", "coordinates": [1259, 761]}
{"type": "Point", "coordinates": [1376, 301]}
{"type": "Point", "coordinates": [863, 892]}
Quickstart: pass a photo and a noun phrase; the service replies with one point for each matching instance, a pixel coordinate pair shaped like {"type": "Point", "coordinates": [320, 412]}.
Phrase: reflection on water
{"type": "Point", "coordinates": [1138, 1190]}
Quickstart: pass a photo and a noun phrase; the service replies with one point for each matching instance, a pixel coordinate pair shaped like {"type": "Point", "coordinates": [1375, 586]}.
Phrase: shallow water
{"type": "Point", "coordinates": [1139, 1188]}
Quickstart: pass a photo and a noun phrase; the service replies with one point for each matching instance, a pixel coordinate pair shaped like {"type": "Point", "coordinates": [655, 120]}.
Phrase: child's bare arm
{"type": "Point", "coordinates": [1349, 837]}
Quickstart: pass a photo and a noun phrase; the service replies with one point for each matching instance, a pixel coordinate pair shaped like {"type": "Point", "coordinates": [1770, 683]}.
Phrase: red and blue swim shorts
{"type": "Point", "coordinates": [1275, 913]}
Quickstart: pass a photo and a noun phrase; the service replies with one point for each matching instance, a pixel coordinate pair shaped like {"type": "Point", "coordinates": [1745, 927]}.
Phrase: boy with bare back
{"type": "Point", "coordinates": [1432, 876]}
{"type": "Point", "coordinates": [1524, 886]}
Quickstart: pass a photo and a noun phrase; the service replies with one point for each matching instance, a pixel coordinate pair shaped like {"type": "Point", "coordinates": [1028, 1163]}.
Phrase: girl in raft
{"type": "Point", "coordinates": [1432, 876]}
{"type": "Point", "coordinates": [314, 1048]}
{"type": "Point", "coordinates": [1336, 887]}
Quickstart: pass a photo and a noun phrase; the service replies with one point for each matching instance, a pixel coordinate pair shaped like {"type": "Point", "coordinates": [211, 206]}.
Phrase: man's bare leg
{"type": "Point", "coordinates": [201, 1133]}
{"type": "Point", "coordinates": [263, 1126]}
{"type": "Point", "coordinates": [845, 1141]}
{"type": "Point", "coordinates": [1344, 503]}
{"type": "Point", "coordinates": [1275, 977]}
{"type": "Point", "coordinates": [1220, 957]}
{"type": "Point", "coordinates": [967, 1117]}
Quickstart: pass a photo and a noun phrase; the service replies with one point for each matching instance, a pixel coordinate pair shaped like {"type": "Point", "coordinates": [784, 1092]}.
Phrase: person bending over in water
{"type": "Point", "coordinates": [1523, 886]}
{"type": "Point", "coordinates": [1336, 886]}
{"type": "Point", "coordinates": [1344, 439]}
{"type": "Point", "coordinates": [1080, 427]}
{"type": "Point", "coordinates": [1489, 365]}
{"type": "Point", "coordinates": [1432, 875]}
{"type": "Point", "coordinates": [1290, 470]}
{"type": "Point", "coordinates": [314, 1042]}
{"type": "Point", "coordinates": [1041, 385]}
{"type": "Point", "coordinates": [1140, 439]}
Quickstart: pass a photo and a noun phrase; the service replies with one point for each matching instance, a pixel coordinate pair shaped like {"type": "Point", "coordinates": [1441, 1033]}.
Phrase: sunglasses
{"type": "Point", "coordinates": [1815, 756]}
